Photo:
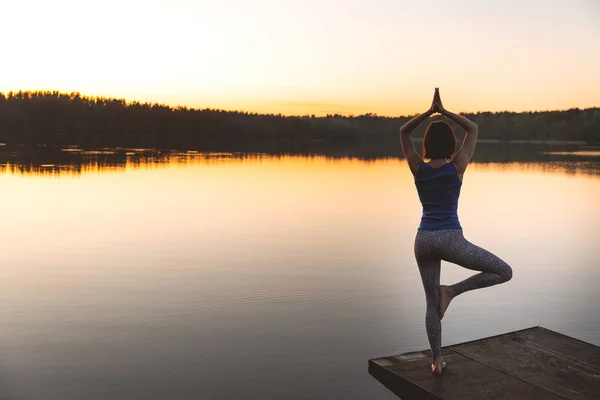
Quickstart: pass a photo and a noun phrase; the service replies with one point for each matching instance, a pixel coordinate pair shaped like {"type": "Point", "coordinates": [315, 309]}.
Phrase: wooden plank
{"type": "Point", "coordinates": [575, 348]}
{"type": "Point", "coordinates": [554, 362]}
{"type": "Point", "coordinates": [464, 378]}
{"type": "Point", "coordinates": [533, 363]}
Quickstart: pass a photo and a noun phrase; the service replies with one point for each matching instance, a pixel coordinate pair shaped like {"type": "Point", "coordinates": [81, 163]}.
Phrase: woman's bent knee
{"type": "Point", "coordinates": [507, 273]}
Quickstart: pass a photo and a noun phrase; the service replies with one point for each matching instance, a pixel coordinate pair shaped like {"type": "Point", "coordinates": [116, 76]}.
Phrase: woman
{"type": "Point", "coordinates": [439, 236]}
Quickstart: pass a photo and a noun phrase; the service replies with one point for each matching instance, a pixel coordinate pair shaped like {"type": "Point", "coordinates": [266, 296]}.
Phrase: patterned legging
{"type": "Point", "coordinates": [431, 247]}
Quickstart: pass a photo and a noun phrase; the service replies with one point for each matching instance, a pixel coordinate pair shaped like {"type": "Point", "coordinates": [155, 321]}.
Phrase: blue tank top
{"type": "Point", "coordinates": [439, 189]}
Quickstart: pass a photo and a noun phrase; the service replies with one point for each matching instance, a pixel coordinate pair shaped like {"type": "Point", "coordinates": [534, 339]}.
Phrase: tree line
{"type": "Point", "coordinates": [53, 118]}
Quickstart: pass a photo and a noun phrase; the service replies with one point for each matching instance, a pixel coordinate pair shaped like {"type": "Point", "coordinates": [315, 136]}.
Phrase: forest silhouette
{"type": "Point", "coordinates": [52, 118]}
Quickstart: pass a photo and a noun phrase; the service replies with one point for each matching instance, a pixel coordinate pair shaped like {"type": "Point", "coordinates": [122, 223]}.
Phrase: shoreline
{"type": "Point", "coordinates": [577, 142]}
{"type": "Point", "coordinates": [573, 142]}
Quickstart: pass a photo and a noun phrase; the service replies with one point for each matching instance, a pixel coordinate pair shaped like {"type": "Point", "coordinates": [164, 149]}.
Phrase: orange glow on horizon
{"type": "Point", "coordinates": [318, 109]}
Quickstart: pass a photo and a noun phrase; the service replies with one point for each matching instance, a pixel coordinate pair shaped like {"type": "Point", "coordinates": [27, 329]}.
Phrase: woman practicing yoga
{"type": "Point", "coordinates": [439, 236]}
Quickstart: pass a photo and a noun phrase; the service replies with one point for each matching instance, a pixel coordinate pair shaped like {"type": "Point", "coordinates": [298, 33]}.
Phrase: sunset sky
{"type": "Point", "coordinates": [309, 57]}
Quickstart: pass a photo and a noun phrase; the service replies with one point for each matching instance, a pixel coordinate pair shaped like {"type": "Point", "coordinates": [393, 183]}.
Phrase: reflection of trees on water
{"type": "Point", "coordinates": [73, 160]}
{"type": "Point", "coordinates": [54, 160]}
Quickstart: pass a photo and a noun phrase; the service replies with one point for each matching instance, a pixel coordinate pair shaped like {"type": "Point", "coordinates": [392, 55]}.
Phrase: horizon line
{"type": "Point", "coordinates": [277, 114]}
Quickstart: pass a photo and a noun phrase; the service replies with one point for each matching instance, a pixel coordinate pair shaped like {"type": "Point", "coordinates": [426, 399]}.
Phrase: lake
{"type": "Point", "coordinates": [183, 275]}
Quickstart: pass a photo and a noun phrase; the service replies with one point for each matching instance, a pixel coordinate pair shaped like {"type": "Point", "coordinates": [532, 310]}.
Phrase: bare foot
{"type": "Point", "coordinates": [438, 366]}
{"type": "Point", "coordinates": [446, 297]}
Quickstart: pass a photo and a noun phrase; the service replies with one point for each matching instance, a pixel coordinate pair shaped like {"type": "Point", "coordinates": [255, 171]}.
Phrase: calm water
{"type": "Point", "coordinates": [221, 277]}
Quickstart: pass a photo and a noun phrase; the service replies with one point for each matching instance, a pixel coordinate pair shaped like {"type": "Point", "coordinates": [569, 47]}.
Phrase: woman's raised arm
{"type": "Point", "coordinates": [412, 157]}
{"type": "Point", "coordinates": [464, 155]}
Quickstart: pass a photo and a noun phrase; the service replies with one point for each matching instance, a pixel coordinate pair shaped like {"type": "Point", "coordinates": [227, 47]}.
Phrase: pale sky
{"type": "Point", "coordinates": [309, 56]}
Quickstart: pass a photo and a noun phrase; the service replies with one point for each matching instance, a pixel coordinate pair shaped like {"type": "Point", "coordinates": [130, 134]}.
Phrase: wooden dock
{"type": "Point", "coordinates": [533, 363]}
